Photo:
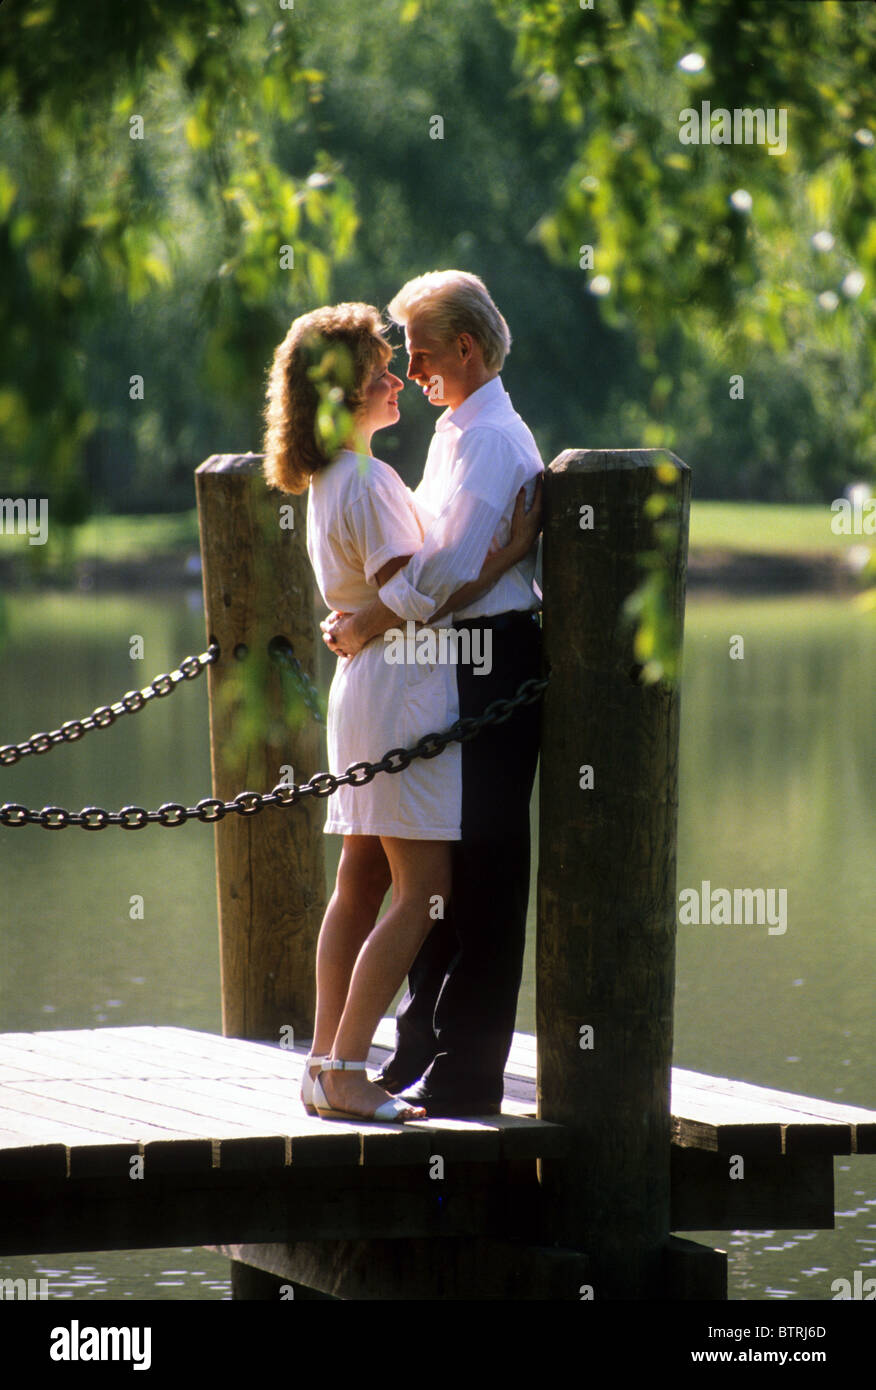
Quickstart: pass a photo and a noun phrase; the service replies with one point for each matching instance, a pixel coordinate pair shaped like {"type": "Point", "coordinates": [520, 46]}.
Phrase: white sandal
{"type": "Point", "coordinates": [307, 1081]}
{"type": "Point", "coordinates": [391, 1110]}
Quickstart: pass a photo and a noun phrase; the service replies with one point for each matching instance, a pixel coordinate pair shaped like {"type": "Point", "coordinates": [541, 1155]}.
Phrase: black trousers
{"type": "Point", "coordinates": [455, 1024]}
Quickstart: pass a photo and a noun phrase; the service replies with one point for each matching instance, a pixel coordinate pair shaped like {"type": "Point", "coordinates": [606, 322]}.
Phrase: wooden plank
{"type": "Point", "coordinates": [808, 1138]}
{"type": "Point", "coordinates": [470, 1269]}
{"type": "Point", "coordinates": [326, 1148]}
{"type": "Point", "coordinates": [217, 1056]}
{"type": "Point", "coordinates": [269, 1097]}
{"type": "Point", "coordinates": [523, 1137]}
{"type": "Point", "coordinates": [788, 1100]}
{"type": "Point", "coordinates": [206, 1053]}
{"type": "Point", "coordinates": [694, 1272]}
{"type": "Point", "coordinates": [10, 1072]}
{"type": "Point", "coordinates": [253, 1284]}
{"type": "Point", "coordinates": [254, 1153]}
{"type": "Point", "coordinates": [695, 1111]}
{"type": "Point", "coordinates": [802, 1114]}
{"type": "Point", "coordinates": [725, 1108]}
{"type": "Point", "coordinates": [231, 1078]}
{"type": "Point", "coordinates": [521, 1104]}
{"type": "Point", "coordinates": [726, 1113]}
{"type": "Point", "coordinates": [727, 1139]}
{"type": "Point", "coordinates": [776, 1193]}
{"type": "Point", "coordinates": [163, 1157]}
{"type": "Point", "coordinates": [78, 1045]}
{"type": "Point", "coordinates": [385, 1145]}
{"type": "Point", "coordinates": [519, 1097]}
{"type": "Point", "coordinates": [822, 1109]}
{"type": "Point", "coordinates": [203, 1209]}
{"type": "Point", "coordinates": [55, 1124]}
{"type": "Point", "coordinates": [121, 1119]}
{"type": "Point", "coordinates": [46, 1063]}
{"type": "Point", "coordinates": [273, 1064]}
{"type": "Point", "coordinates": [40, 1160]}
{"type": "Point", "coordinates": [80, 1057]}
{"type": "Point", "coordinates": [101, 1146]}
{"type": "Point", "coordinates": [464, 1141]}
{"type": "Point", "coordinates": [195, 1043]}
{"type": "Point", "coordinates": [146, 1116]}
{"type": "Point", "coordinates": [127, 1056]}
{"type": "Point", "coordinates": [225, 1102]}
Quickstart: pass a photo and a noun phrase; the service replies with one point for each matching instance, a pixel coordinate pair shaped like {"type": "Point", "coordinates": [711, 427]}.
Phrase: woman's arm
{"type": "Point", "coordinates": [525, 526]}
{"type": "Point", "coordinates": [385, 573]}
{"type": "Point", "coordinates": [339, 623]}
{"type": "Point", "coordinates": [346, 634]}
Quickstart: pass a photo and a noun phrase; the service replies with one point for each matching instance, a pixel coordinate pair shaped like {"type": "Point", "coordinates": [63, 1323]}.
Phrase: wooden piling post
{"type": "Point", "coordinates": [606, 882]}
{"type": "Point", "coordinates": [258, 589]}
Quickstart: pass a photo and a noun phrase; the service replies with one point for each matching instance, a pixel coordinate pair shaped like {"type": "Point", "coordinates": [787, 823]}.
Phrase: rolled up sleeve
{"type": "Point", "coordinates": [452, 554]}
{"type": "Point", "coordinates": [380, 526]}
{"type": "Point", "coordinates": [456, 545]}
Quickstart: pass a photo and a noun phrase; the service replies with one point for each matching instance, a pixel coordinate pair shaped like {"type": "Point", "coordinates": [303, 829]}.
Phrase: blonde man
{"type": "Point", "coordinates": [456, 1022]}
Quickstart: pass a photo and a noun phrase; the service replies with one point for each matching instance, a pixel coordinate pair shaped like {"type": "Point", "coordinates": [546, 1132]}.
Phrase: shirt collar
{"type": "Point", "coordinates": [491, 393]}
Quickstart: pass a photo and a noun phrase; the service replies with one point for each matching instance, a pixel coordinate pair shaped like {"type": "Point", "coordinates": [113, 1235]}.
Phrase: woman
{"type": "Point", "coordinates": [362, 526]}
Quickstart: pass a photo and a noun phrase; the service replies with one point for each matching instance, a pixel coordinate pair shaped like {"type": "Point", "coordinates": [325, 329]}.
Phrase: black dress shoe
{"type": "Point", "coordinates": [390, 1082]}
{"type": "Point", "coordinates": [450, 1107]}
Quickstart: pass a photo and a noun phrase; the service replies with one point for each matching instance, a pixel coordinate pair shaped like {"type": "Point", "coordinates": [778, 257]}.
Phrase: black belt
{"type": "Point", "coordinates": [501, 622]}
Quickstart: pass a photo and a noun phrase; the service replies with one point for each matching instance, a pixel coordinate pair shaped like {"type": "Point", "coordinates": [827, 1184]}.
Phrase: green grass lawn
{"type": "Point", "coordinates": [771, 528]}
{"type": "Point", "coordinates": [120, 537]}
{"type": "Point", "coordinates": [124, 537]}
{"type": "Point", "coordinates": [740, 526]}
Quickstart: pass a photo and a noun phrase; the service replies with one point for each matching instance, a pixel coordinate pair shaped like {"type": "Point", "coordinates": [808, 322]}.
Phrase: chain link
{"type": "Point", "coordinates": [247, 803]}
{"type": "Point", "coordinates": [104, 715]}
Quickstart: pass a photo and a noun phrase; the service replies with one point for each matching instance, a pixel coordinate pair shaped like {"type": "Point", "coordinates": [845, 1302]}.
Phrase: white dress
{"type": "Point", "coordinates": [359, 515]}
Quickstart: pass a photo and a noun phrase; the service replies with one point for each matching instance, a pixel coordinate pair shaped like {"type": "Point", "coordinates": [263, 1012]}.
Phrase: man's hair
{"type": "Point", "coordinates": [449, 302]}
{"type": "Point", "coordinates": [332, 353]}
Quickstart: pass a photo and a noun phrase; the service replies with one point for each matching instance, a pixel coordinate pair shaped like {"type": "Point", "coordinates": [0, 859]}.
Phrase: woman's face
{"type": "Point", "coordinates": [381, 405]}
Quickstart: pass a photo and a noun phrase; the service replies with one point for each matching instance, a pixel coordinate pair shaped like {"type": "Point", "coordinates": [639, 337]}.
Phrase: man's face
{"type": "Point", "coordinates": [438, 367]}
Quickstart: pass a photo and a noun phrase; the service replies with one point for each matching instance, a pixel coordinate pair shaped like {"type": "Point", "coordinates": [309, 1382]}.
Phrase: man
{"type": "Point", "coordinates": [456, 1022]}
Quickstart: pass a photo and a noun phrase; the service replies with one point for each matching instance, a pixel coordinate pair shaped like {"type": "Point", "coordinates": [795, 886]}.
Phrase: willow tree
{"type": "Point", "coordinates": [138, 163]}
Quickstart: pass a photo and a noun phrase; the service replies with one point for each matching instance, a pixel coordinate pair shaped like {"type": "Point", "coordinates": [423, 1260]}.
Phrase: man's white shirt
{"type": "Point", "coordinates": [481, 454]}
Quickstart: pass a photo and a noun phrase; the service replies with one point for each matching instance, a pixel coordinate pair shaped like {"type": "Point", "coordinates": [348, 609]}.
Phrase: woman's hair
{"type": "Point", "coordinates": [332, 353]}
{"type": "Point", "coordinates": [449, 302]}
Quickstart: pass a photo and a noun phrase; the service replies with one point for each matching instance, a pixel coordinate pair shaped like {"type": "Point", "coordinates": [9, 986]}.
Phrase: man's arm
{"type": "Point", "coordinates": [488, 470]}
{"type": "Point", "coordinates": [525, 527]}
{"type": "Point", "coordinates": [345, 634]}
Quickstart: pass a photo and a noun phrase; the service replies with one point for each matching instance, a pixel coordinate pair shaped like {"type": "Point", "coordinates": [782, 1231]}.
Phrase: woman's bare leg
{"type": "Point", "coordinates": [420, 872]}
{"type": "Point", "coordinates": [362, 881]}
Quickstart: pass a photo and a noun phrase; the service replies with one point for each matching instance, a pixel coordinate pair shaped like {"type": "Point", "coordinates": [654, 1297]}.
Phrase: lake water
{"type": "Point", "coordinates": [777, 791]}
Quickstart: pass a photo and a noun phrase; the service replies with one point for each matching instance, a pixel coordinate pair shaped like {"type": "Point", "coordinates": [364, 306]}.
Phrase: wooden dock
{"type": "Point", "coordinates": [149, 1137]}
{"type": "Point", "coordinates": [123, 1138]}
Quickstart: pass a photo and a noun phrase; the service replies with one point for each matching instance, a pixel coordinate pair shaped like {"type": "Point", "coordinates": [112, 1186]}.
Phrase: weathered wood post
{"type": "Point", "coordinates": [606, 881]}
{"type": "Point", "coordinates": [258, 588]}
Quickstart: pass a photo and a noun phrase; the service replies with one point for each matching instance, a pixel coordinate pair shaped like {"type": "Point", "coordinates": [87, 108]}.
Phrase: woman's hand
{"type": "Point", "coordinates": [339, 634]}
{"type": "Point", "coordinates": [525, 525]}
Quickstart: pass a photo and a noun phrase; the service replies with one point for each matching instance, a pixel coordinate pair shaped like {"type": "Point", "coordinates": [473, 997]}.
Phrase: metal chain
{"type": "Point", "coordinates": [250, 803]}
{"type": "Point", "coordinates": [105, 715]}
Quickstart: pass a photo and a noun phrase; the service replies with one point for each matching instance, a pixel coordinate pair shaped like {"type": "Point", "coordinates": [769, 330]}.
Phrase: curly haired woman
{"type": "Point", "coordinates": [362, 526]}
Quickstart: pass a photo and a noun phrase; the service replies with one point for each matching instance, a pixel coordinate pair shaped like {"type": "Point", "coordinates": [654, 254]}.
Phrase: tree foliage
{"type": "Point", "coordinates": [138, 164]}
{"type": "Point", "coordinates": [269, 131]}
{"type": "Point", "coordinates": [765, 261]}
